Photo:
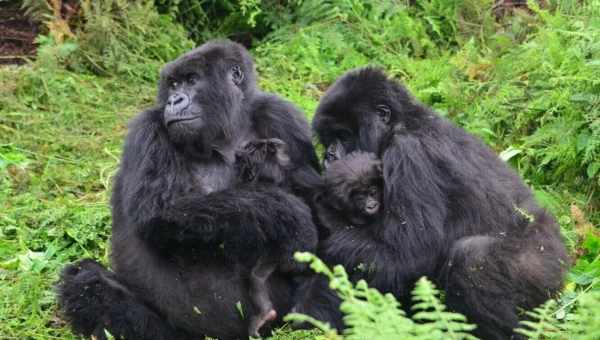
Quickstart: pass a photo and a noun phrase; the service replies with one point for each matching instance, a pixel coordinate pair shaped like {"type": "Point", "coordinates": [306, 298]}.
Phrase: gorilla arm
{"type": "Point", "coordinates": [410, 240]}
{"type": "Point", "coordinates": [415, 194]}
{"type": "Point", "coordinates": [241, 219]}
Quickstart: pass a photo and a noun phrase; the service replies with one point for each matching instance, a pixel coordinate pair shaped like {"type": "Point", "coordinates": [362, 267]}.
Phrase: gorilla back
{"type": "Point", "coordinates": [180, 223]}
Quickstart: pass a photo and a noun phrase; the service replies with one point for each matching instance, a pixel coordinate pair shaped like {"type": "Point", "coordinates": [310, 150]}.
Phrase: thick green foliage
{"type": "Point", "coordinates": [125, 37]}
{"type": "Point", "coordinates": [582, 325]}
{"type": "Point", "coordinates": [244, 19]}
{"type": "Point", "coordinates": [541, 98]}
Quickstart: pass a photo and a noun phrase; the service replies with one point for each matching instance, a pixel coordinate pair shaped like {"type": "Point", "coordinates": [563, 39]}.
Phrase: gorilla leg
{"type": "Point", "coordinates": [316, 299]}
{"type": "Point", "coordinates": [477, 285]}
{"type": "Point", "coordinates": [92, 300]}
{"type": "Point", "coordinates": [259, 293]}
{"type": "Point", "coordinates": [490, 278]}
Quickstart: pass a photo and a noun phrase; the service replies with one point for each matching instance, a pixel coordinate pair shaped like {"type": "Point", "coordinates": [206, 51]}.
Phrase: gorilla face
{"type": "Point", "coordinates": [354, 186]}
{"type": "Point", "coordinates": [362, 110]}
{"type": "Point", "coordinates": [202, 92]}
{"type": "Point", "coordinates": [367, 199]}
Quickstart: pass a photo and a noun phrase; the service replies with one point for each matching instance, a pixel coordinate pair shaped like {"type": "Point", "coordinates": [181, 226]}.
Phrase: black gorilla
{"type": "Point", "coordinates": [453, 211]}
{"type": "Point", "coordinates": [265, 162]}
{"type": "Point", "coordinates": [181, 222]}
{"type": "Point", "coordinates": [351, 195]}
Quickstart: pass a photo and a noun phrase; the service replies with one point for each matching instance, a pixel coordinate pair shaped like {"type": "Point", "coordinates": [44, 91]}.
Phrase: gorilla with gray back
{"type": "Point", "coordinates": [183, 229]}
{"type": "Point", "coordinates": [453, 211]}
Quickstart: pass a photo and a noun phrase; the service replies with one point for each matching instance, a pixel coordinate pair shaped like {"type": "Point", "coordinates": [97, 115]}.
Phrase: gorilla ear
{"type": "Point", "coordinates": [237, 75]}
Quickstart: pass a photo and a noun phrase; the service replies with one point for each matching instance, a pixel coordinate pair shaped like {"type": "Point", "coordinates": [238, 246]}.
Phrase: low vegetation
{"type": "Point", "coordinates": [527, 82]}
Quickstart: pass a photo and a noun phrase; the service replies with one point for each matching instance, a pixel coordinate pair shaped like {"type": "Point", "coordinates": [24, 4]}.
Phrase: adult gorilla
{"type": "Point", "coordinates": [453, 211]}
{"type": "Point", "coordinates": [183, 234]}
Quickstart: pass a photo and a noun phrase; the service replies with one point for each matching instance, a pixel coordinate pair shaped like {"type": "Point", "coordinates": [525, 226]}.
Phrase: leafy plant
{"type": "Point", "coordinates": [55, 15]}
{"type": "Point", "coordinates": [368, 314]}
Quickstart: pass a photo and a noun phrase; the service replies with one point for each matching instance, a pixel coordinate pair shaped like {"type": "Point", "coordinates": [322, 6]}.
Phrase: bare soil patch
{"type": "Point", "coordinates": [17, 34]}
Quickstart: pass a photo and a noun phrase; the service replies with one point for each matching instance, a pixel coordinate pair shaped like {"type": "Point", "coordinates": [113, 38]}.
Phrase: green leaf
{"type": "Point", "coordinates": [582, 141]}
{"type": "Point", "coordinates": [238, 306]}
{"type": "Point", "coordinates": [509, 153]}
{"type": "Point", "coordinates": [592, 169]}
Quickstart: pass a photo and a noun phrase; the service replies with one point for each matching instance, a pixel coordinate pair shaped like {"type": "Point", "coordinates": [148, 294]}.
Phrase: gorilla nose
{"type": "Point", "coordinates": [177, 103]}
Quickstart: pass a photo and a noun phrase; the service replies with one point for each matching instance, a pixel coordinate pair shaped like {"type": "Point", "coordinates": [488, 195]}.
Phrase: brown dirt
{"type": "Point", "coordinates": [17, 34]}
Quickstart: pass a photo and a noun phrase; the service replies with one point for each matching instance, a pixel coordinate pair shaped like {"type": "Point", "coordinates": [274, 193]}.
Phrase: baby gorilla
{"type": "Point", "coordinates": [264, 162]}
{"type": "Point", "coordinates": [352, 191]}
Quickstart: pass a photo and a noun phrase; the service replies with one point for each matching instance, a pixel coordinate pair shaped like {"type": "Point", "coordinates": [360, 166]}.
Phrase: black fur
{"type": "Point", "coordinates": [338, 205]}
{"type": "Point", "coordinates": [265, 163]}
{"type": "Point", "coordinates": [181, 222]}
{"type": "Point", "coordinates": [453, 211]}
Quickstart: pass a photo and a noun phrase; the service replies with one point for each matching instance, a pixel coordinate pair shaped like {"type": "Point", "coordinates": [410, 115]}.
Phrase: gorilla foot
{"type": "Point", "coordinates": [92, 300]}
{"type": "Point", "coordinates": [258, 321]}
{"type": "Point", "coordinates": [85, 292]}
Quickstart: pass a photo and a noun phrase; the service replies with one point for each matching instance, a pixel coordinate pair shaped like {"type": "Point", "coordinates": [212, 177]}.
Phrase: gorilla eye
{"type": "Point", "coordinates": [237, 74]}
{"type": "Point", "coordinates": [373, 190]}
{"type": "Point", "coordinates": [384, 112]}
{"type": "Point", "coordinates": [173, 84]}
{"type": "Point", "coordinates": [192, 78]}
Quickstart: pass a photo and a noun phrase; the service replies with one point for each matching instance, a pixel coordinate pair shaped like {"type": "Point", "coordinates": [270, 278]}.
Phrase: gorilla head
{"type": "Point", "coordinates": [362, 109]}
{"type": "Point", "coordinates": [354, 186]}
{"type": "Point", "coordinates": [263, 161]}
{"type": "Point", "coordinates": [203, 91]}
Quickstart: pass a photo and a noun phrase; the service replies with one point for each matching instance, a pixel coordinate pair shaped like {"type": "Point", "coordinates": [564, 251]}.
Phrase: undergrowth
{"type": "Point", "coordinates": [528, 84]}
{"type": "Point", "coordinates": [368, 314]}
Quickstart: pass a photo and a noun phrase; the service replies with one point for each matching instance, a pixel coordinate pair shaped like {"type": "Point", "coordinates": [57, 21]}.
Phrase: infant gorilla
{"type": "Point", "coordinates": [351, 196]}
{"type": "Point", "coordinates": [352, 193]}
{"type": "Point", "coordinates": [265, 162]}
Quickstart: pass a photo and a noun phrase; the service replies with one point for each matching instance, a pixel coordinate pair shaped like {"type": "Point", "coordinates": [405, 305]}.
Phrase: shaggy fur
{"type": "Point", "coordinates": [453, 211]}
{"type": "Point", "coordinates": [265, 163]}
{"type": "Point", "coordinates": [181, 223]}
{"type": "Point", "coordinates": [338, 203]}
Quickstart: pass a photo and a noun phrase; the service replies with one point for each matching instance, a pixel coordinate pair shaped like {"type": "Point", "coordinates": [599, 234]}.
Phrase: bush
{"type": "Point", "coordinates": [117, 37]}
{"type": "Point", "coordinates": [126, 37]}
{"type": "Point", "coordinates": [245, 20]}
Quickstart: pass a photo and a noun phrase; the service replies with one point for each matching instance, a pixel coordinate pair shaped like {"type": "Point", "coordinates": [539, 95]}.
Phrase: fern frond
{"type": "Point", "coordinates": [369, 314]}
{"type": "Point", "coordinates": [541, 321]}
{"type": "Point", "coordinates": [438, 323]}
{"type": "Point", "coordinates": [586, 323]}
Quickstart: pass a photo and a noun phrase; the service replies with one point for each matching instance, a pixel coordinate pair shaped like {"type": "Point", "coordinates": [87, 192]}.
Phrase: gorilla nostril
{"type": "Point", "coordinates": [177, 102]}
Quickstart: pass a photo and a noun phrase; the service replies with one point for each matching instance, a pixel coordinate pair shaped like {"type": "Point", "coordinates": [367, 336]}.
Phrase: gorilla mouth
{"type": "Point", "coordinates": [372, 209]}
{"type": "Point", "coordinates": [181, 119]}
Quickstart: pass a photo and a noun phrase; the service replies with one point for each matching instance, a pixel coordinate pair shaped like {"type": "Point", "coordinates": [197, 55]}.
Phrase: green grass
{"type": "Point", "coordinates": [59, 146]}
{"type": "Point", "coordinates": [529, 86]}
